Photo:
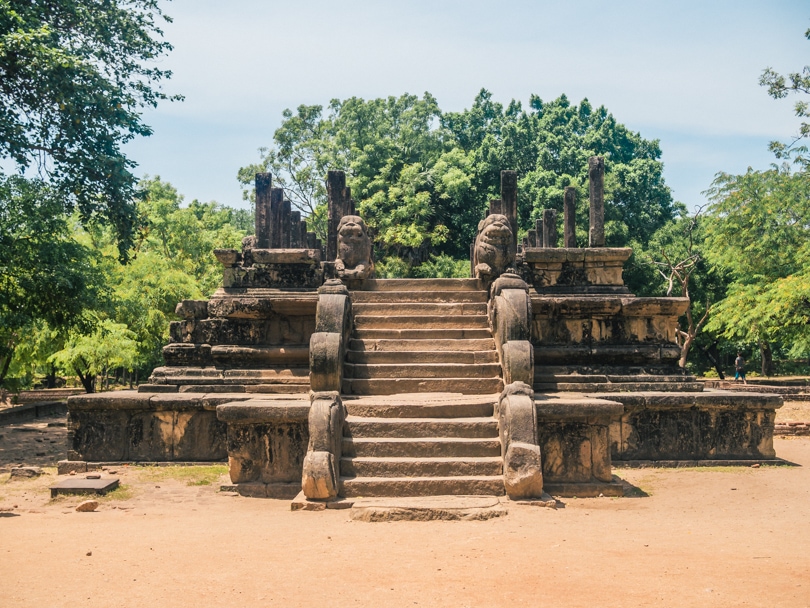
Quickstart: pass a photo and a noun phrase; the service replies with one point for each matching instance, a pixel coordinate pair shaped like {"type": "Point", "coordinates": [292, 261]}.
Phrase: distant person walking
{"type": "Point", "coordinates": [739, 369]}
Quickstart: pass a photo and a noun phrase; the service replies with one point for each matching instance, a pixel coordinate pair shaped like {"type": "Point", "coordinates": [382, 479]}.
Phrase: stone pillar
{"type": "Point", "coordinates": [338, 196]}
{"type": "Point", "coordinates": [264, 182]}
{"type": "Point", "coordinates": [531, 238]}
{"type": "Point", "coordinates": [569, 217]}
{"type": "Point", "coordinates": [295, 230]}
{"type": "Point", "coordinates": [509, 199]}
{"type": "Point", "coordinates": [549, 227]}
{"type": "Point", "coordinates": [274, 218]}
{"type": "Point", "coordinates": [596, 176]}
{"type": "Point", "coordinates": [285, 224]}
{"type": "Point", "coordinates": [538, 228]}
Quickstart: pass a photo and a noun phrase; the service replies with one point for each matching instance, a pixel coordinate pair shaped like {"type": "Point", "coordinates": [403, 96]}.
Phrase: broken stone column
{"type": "Point", "coordinates": [339, 203]}
{"type": "Point", "coordinates": [509, 200]}
{"type": "Point", "coordinates": [549, 227]}
{"type": "Point", "coordinates": [284, 224]}
{"type": "Point", "coordinates": [274, 221]}
{"type": "Point", "coordinates": [538, 228]}
{"type": "Point", "coordinates": [264, 182]}
{"type": "Point", "coordinates": [596, 176]}
{"type": "Point", "coordinates": [569, 217]}
{"type": "Point", "coordinates": [295, 230]}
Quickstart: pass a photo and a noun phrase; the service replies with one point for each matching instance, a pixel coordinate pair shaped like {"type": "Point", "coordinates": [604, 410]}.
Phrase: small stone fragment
{"type": "Point", "coordinates": [87, 506]}
{"type": "Point", "coordinates": [93, 476]}
{"type": "Point", "coordinates": [755, 465]}
{"type": "Point", "coordinates": [89, 553]}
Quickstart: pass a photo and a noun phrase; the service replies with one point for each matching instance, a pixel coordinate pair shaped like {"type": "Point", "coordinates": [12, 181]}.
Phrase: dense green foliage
{"type": "Point", "coordinates": [45, 274]}
{"type": "Point", "coordinates": [760, 232]}
{"type": "Point", "coordinates": [421, 178]}
{"type": "Point", "coordinates": [74, 76]}
{"type": "Point", "coordinates": [86, 311]}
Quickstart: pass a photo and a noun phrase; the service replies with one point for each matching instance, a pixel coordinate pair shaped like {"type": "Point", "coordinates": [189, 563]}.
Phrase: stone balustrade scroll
{"type": "Point", "coordinates": [522, 459]}
{"type": "Point", "coordinates": [327, 346]}
{"type": "Point", "coordinates": [321, 472]}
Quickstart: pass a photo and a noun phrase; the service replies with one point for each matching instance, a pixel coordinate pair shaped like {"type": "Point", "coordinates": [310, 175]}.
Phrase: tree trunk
{"type": "Point", "coordinates": [687, 344]}
{"type": "Point", "coordinates": [50, 379]}
{"type": "Point", "coordinates": [767, 358]}
{"type": "Point", "coordinates": [712, 355]}
{"type": "Point", "coordinates": [4, 368]}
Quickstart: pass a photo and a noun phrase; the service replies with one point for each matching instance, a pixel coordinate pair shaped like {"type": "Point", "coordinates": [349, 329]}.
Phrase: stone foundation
{"type": "Point", "coordinates": [266, 443]}
{"type": "Point", "coordinates": [713, 425]}
{"type": "Point", "coordinates": [574, 441]}
{"type": "Point", "coordinates": [143, 427]}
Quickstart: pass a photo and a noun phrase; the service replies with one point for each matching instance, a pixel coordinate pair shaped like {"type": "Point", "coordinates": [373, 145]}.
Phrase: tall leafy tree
{"type": "Point", "coordinates": [46, 275]}
{"type": "Point", "coordinates": [760, 232]}
{"type": "Point", "coordinates": [74, 78]}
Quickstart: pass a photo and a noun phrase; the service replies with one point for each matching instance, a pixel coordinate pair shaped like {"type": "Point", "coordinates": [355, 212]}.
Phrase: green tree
{"type": "Point", "coordinates": [74, 78]}
{"type": "Point", "coordinates": [110, 345]}
{"type": "Point", "coordinates": [677, 252]}
{"type": "Point", "coordinates": [779, 87]}
{"type": "Point", "coordinates": [46, 276]}
{"type": "Point", "coordinates": [760, 232]}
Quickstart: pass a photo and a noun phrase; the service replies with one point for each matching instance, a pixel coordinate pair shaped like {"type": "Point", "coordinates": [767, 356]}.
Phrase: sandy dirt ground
{"type": "Point", "coordinates": [690, 537]}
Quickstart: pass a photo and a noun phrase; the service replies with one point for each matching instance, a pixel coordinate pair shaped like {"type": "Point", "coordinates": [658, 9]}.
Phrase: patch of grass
{"type": "Point", "coordinates": [192, 475]}
{"type": "Point", "coordinates": [122, 492]}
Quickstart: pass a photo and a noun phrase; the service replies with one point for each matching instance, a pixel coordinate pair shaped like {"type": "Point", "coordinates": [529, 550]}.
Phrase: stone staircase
{"type": "Point", "coordinates": [421, 335]}
{"type": "Point", "coordinates": [421, 445]}
{"type": "Point", "coordinates": [412, 340]}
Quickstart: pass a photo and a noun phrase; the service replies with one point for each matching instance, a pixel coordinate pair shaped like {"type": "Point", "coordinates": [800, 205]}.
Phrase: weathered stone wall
{"type": "Point", "coordinates": [605, 329]}
{"type": "Point", "coordinates": [713, 425]}
{"type": "Point", "coordinates": [142, 427]}
{"type": "Point", "coordinates": [574, 440]}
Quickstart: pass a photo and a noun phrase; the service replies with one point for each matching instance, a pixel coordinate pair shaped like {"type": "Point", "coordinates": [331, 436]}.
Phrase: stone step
{"type": "Point", "coordinates": [419, 308]}
{"type": "Point", "coordinates": [420, 467]}
{"type": "Point", "coordinates": [421, 406]}
{"type": "Point", "coordinates": [421, 322]}
{"type": "Point", "coordinates": [395, 297]}
{"type": "Point", "coordinates": [393, 386]}
{"type": "Point", "coordinates": [420, 370]}
{"type": "Point", "coordinates": [488, 485]}
{"type": "Point", "coordinates": [368, 345]}
{"type": "Point", "coordinates": [574, 378]}
{"type": "Point", "coordinates": [422, 334]}
{"type": "Point", "coordinates": [619, 387]}
{"type": "Point", "coordinates": [423, 356]}
{"type": "Point", "coordinates": [357, 427]}
{"type": "Point", "coordinates": [425, 447]}
{"type": "Point", "coordinates": [421, 285]}
{"type": "Point", "coordinates": [277, 389]}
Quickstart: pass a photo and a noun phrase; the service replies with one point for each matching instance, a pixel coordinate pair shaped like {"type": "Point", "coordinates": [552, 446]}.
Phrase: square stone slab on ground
{"type": "Point", "coordinates": [84, 486]}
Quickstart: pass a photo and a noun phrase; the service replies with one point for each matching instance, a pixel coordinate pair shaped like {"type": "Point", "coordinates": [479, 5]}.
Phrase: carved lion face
{"type": "Point", "coordinates": [354, 245]}
{"type": "Point", "coordinates": [494, 244]}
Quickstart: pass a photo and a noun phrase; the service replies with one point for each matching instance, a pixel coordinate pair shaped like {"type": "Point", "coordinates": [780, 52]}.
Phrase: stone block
{"type": "Point", "coordinates": [266, 452]}
{"type": "Point", "coordinates": [192, 309]}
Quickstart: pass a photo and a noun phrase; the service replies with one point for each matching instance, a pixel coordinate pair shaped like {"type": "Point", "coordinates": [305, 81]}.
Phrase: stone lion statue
{"type": "Point", "coordinates": [353, 249]}
{"type": "Point", "coordinates": [494, 249]}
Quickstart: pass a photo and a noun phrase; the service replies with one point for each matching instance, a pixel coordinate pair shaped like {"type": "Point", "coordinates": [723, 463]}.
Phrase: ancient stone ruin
{"type": "Point", "coordinates": [532, 376]}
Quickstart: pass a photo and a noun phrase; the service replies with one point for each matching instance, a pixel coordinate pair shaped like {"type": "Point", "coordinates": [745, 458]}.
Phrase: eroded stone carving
{"type": "Point", "coordinates": [494, 249]}
{"type": "Point", "coordinates": [354, 249]}
{"type": "Point", "coordinates": [522, 461]}
{"type": "Point", "coordinates": [321, 471]}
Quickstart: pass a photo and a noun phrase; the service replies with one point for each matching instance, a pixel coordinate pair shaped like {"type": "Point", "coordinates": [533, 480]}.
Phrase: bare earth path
{"type": "Point", "coordinates": [713, 537]}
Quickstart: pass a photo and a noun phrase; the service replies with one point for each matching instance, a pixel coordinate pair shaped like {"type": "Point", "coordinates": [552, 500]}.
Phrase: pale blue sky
{"type": "Point", "coordinates": [684, 72]}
